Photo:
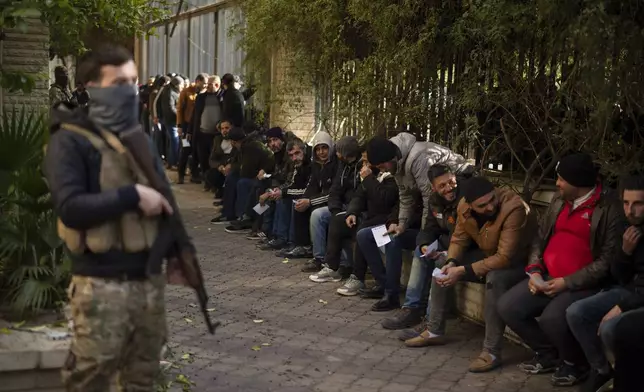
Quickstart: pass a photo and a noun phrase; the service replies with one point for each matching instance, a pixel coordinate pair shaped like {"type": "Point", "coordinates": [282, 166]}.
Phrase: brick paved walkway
{"type": "Point", "coordinates": [311, 339]}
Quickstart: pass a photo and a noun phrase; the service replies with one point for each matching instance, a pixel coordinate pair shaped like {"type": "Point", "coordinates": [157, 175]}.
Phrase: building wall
{"type": "Point", "coordinates": [293, 107]}
{"type": "Point", "coordinates": [27, 51]}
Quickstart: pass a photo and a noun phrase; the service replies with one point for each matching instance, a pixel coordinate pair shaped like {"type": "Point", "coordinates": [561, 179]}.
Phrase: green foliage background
{"type": "Point", "coordinates": [512, 80]}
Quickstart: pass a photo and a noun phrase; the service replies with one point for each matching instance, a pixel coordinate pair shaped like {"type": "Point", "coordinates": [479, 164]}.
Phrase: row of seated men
{"type": "Point", "coordinates": [563, 285]}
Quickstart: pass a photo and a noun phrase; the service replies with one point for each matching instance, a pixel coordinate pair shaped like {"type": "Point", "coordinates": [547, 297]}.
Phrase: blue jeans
{"type": "Point", "coordinates": [319, 225]}
{"type": "Point", "coordinates": [244, 189]}
{"type": "Point", "coordinates": [282, 219]}
{"type": "Point", "coordinates": [419, 282]}
{"type": "Point", "coordinates": [584, 318]}
{"type": "Point", "coordinates": [387, 276]}
{"type": "Point", "coordinates": [174, 144]}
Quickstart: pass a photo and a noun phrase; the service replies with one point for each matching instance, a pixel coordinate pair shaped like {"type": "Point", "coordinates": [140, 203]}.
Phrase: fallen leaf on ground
{"type": "Point", "coordinates": [285, 261]}
{"type": "Point", "coordinates": [255, 348]}
{"type": "Point", "coordinates": [20, 324]}
{"type": "Point", "coordinates": [266, 344]}
{"type": "Point", "coordinates": [258, 321]}
{"type": "Point", "coordinates": [323, 301]}
{"type": "Point", "coordinates": [210, 310]}
{"type": "Point", "coordinates": [188, 320]}
{"type": "Point", "coordinates": [5, 331]}
{"type": "Point", "coordinates": [192, 305]}
{"type": "Point", "coordinates": [185, 356]}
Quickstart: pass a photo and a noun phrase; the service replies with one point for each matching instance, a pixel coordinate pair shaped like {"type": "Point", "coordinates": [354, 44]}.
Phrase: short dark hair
{"type": "Point", "coordinates": [631, 182]}
{"type": "Point", "coordinates": [228, 79]}
{"type": "Point", "coordinates": [296, 142]}
{"type": "Point", "coordinates": [92, 62]}
{"type": "Point", "coordinates": [437, 170]}
{"type": "Point", "coordinates": [229, 121]}
{"type": "Point", "coordinates": [202, 77]}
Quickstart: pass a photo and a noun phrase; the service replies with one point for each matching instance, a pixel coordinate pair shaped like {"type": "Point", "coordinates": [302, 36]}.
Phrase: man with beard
{"type": "Point", "coordinates": [232, 101]}
{"type": "Point", "coordinates": [219, 161]}
{"type": "Point", "coordinates": [109, 219]}
{"type": "Point", "coordinates": [570, 260]}
{"type": "Point", "coordinates": [205, 129]}
{"type": "Point", "coordinates": [324, 166]}
{"type": "Point", "coordinates": [346, 181]}
{"type": "Point", "coordinates": [446, 193]}
{"type": "Point", "coordinates": [285, 196]}
{"type": "Point", "coordinates": [501, 225]}
{"type": "Point", "coordinates": [59, 90]}
{"type": "Point", "coordinates": [602, 311]}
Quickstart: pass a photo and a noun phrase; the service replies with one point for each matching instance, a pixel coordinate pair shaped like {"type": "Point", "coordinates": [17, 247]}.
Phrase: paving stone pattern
{"type": "Point", "coordinates": [311, 339]}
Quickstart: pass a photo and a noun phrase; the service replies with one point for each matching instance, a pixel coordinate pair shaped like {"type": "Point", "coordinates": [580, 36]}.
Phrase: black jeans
{"type": "Point", "coordinates": [628, 349]}
{"type": "Point", "coordinates": [551, 336]}
{"type": "Point", "coordinates": [215, 179]}
{"type": "Point", "coordinates": [339, 235]}
{"type": "Point", "coordinates": [184, 159]}
{"type": "Point", "coordinates": [202, 146]}
{"type": "Point", "coordinates": [302, 227]}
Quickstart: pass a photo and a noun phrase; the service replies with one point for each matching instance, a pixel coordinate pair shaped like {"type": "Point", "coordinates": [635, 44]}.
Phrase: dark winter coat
{"type": "Point", "coordinates": [375, 200]}
{"type": "Point", "coordinates": [233, 106]}
{"type": "Point", "coordinates": [345, 183]}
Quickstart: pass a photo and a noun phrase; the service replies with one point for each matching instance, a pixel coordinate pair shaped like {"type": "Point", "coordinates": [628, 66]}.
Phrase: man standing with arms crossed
{"type": "Point", "coordinates": [109, 220]}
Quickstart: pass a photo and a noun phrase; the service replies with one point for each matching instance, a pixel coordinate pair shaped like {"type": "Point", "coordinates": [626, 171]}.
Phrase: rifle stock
{"type": "Point", "coordinates": [166, 242]}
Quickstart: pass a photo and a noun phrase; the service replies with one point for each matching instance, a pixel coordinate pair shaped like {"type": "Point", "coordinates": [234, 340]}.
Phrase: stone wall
{"type": "Point", "coordinates": [293, 109]}
{"type": "Point", "coordinates": [27, 51]}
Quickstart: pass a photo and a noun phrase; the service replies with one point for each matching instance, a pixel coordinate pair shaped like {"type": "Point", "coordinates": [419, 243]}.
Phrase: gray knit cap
{"type": "Point", "coordinates": [348, 147]}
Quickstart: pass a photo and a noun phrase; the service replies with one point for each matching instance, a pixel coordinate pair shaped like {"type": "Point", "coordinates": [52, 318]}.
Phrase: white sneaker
{"type": "Point", "coordinates": [326, 275]}
{"type": "Point", "coordinates": [351, 286]}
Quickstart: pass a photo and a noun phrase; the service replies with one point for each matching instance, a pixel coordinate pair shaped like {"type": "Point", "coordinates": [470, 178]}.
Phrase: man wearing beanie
{"type": "Point", "coordinates": [570, 260]}
{"type": "Point", "coordinates": [250, 159]}
{"type": "Point", "coordinates": [346, 181]}
{"type": "Point", "coordinates": [501, 224]}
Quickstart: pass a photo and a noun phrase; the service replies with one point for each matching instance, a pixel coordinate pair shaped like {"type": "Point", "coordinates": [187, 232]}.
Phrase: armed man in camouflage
{"type": "Point", "coordinates": [111, 215]}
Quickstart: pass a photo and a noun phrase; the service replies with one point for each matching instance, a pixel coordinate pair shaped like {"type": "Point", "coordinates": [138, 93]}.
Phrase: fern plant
{"type": "Point", "coordinates": [34, 269]}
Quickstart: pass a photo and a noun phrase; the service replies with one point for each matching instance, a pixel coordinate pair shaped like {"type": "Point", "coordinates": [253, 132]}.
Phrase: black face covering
{"type": "Point", "coordinates": [114, 108]}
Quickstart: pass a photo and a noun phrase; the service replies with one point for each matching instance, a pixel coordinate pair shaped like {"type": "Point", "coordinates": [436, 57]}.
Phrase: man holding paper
{"type": "Point", "coordinates": [570, 260]}
{"type": "Point", "coordinates": [371, 205]}
{"type": "Point", "coordinates": [501, 225]}
{"type": "Point", "coordinates": [431, 244]}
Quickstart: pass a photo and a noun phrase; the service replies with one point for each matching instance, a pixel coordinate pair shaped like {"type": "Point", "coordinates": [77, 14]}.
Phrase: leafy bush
{"type": "Point", "coordinates": [34, 270]}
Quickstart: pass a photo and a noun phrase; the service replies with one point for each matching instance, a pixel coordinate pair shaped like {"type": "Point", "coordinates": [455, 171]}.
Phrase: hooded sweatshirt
{"type": "Point", "coordinates": [416, 159]}
{"type": "Point", "coordinates": [347, 178]}
{"type": "Point", "coordinates": [322, 173]}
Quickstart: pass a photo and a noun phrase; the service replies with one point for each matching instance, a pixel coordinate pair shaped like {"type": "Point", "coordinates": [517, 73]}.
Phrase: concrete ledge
{"type": "Point", "coordinates": [31, 362]}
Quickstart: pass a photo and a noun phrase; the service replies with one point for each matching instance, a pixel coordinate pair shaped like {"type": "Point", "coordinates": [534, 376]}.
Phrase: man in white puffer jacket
{"type": "Point", "coordinates": [411, 168]}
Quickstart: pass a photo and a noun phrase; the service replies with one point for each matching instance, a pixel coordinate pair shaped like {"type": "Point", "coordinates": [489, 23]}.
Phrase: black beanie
{"type": "Point", "coordinates": [578, 170]}
{"type": "Point", "coordinates": [236, 134]}
{"type": "Point", "coordinates": [381, 150]}
{"type": "Point", "coordinates": [276, 132]}
{"type": "Point", "coordinates": [476, 187]}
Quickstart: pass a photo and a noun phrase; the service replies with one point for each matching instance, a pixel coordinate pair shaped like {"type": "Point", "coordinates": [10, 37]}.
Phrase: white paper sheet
{"type": "Point", "coordinates": [185, 143]}
{"type": "Point", "coordinates": [438, 274]}
{"type": "Point", "coordinates": [538, 281]}
{"type": "Point", "coordinates": [260, 209]}
{"type": "Point", "coordinates": [267, 175]}
{"type": "Point", "coordinates": [380, 235]}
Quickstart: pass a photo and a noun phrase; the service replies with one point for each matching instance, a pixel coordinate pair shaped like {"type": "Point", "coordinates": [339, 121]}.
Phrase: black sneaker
{"type": "Point", "coordinates": [217, 203]}
{"type": "Point", "coordinates": [539, 365]}
{"type": "Point", "coordinates": [299, 252]}
{"type": "Point", "coordinates": [221, 220]}
{"type": "Point", "coordinates": [256, 235]}
{"type": "Point", "coordinates": [405, 318]}
{"type": "Point", "coordinates": [239, 227]}
{"type": "Point", "coordinates": [568, 375]}
{"type": "Point", "coordinates": [274, 244]}
{"type": "Point", "coordinates": [313, 265]}
{"type": "Point", "coordinates": [285, 250]}
{"type": "Point", "coordinates": [345, 271]}
{"type": "Point", "coordinates": [374, 292]}
{"type": "Point", "coordinates": [386, 304]}
{"type": "Point", "coordinates": [596, 382]}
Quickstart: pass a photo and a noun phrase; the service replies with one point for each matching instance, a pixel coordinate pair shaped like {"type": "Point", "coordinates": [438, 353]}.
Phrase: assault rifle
{"type": "Point", "coordinates": [172, 239]}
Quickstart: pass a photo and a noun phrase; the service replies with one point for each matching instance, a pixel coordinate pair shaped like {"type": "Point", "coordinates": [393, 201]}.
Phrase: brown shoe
{"type": "Point", "coordinates": [484, 363]}
{"type": "Point", "coordinates": [423, 340]}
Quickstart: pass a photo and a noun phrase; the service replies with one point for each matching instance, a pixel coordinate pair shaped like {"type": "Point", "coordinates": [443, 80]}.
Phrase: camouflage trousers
{"type": "Point", "coordinates": [119, 330]}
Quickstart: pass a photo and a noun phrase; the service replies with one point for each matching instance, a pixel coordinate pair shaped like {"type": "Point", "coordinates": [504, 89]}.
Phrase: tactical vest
{"type": "Point", "coordinates": [131, 232]}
